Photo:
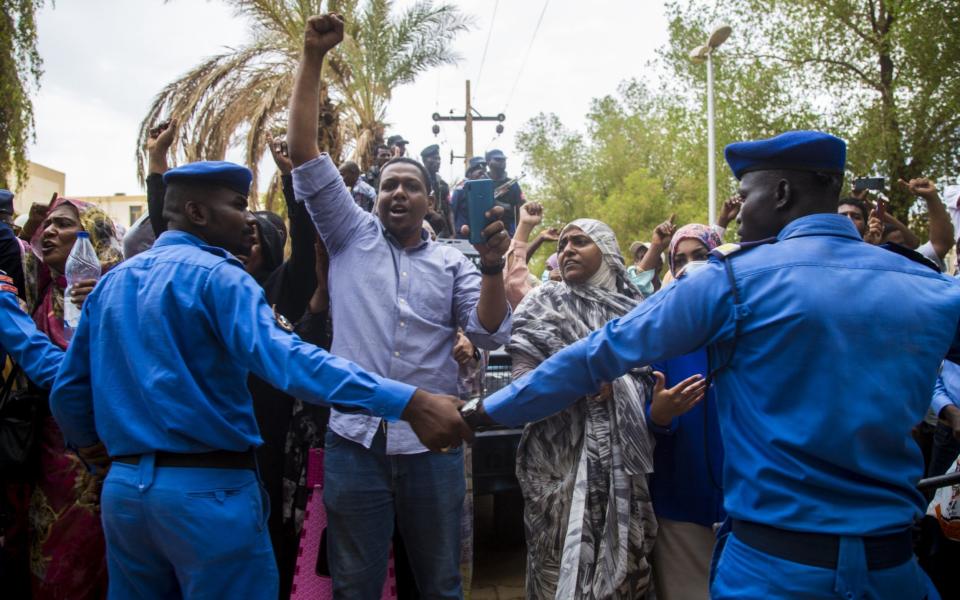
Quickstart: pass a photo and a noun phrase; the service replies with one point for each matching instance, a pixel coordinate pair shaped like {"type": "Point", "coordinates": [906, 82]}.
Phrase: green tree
{"type": "Point", "coordinates": [20, 71]}
{"type": "Point", "coordinates": [882, 74]}
{"type": "Point", "coordinates": [623, 171]}
{"type": "Point", "coordinates": [240, 97]}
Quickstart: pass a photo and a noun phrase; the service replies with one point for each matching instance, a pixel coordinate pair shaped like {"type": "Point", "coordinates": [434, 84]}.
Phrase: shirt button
{"type": "Point", "coordinates": [403, 323]}
{"type": "Point", "coordinates": [396, 354]}
{"type": "Point", "coordinates": [404, 273]}
{"type": "Point", "coordinates": [402, 300]}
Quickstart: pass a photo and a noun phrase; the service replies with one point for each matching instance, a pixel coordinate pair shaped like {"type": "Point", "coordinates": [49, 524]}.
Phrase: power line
{"type": "Point", "coordinates": [526, 55]}
{"type": "Point", "coordinates": [486, 45]}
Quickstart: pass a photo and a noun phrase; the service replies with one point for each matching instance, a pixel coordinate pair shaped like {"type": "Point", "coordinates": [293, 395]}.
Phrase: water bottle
{"type": "Point", "coordinates": [82, 263]}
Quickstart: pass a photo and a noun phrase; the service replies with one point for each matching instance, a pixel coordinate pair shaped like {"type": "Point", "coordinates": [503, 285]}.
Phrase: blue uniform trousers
{"type": "Point", "coordinates": [186, 533]}
{"type": "Point", "coordinates": [745, 573]}
{"type": "Point", "coordinates": [364, 489]}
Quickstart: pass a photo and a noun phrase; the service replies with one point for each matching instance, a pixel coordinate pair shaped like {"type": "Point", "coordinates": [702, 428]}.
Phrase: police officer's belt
{"type": "Point", "coordinates": [821, 550]}
{"type": "Point", "coordinates": [218, 459]}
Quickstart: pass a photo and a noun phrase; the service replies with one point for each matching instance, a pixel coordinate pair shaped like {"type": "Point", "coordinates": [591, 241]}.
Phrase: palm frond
{"type": "Point", "coordinates": [237, 97]}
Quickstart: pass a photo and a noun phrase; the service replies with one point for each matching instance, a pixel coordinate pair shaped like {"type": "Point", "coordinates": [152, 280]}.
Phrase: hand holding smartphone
{"type": "Point", "coordinates": [479, 201]}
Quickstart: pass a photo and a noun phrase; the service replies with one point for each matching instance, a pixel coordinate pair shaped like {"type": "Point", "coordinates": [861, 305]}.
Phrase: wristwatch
{"type": "Point", "coordinates": [493, 269]}
{"type": "Point", "coordinates": [472, 412]}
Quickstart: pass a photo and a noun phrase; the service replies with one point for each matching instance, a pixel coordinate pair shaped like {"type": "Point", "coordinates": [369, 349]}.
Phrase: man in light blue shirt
{"type": "Point", "coordinates": [397, 300]}
{"type": "Point", "coordinates": [820, 469]}
{"type": "Point", "coordinates": [157, 372]}
{"type": "Point", "coordinates": [946, 406]}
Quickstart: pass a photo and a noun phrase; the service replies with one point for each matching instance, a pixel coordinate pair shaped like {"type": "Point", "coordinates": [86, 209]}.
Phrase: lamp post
{"type": "Point", "coordinates": [699, 55]}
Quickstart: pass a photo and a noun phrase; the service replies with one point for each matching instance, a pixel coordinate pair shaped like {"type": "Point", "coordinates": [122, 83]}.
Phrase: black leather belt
{"type": "Point", "coordinates": [821, 550]}
{"type": "Point", "coordinates": [218, 459]}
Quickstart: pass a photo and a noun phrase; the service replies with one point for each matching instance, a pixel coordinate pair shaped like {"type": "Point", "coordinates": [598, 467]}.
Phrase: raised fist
{"type": "Point", "coordinates": [323, 33]}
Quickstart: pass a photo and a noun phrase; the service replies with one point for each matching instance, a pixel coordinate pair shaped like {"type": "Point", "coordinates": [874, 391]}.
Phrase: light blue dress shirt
{"type": "Point", "coordinates": [395, 310]}
{"type": "Point", "coordinates": [947, 389]}
{"type": "Point", "coordinates": [838, 350]}
{"type": "Point", "coordinates": [165, 343]}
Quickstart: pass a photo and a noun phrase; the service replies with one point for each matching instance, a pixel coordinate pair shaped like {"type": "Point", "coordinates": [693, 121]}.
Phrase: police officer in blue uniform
{"type": "Point", "coordinates": [157, 372]}
{"type": "Point", "coordinates": [824, 351]}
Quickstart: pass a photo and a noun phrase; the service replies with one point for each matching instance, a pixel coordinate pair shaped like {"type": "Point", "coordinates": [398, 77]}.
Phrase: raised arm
{"type": "Point", "coordinates": [659, 242]}
{"type": "Point", "coordinates": [158, 146]}
{"type": "Point", "coordinates": [322, 34]}
{"type": "Point", "coordinates": [941, 227]}
{"type": "Point", "coordinates": [298, 279]}
{"type": "Point", "coordinates": [316, 180]}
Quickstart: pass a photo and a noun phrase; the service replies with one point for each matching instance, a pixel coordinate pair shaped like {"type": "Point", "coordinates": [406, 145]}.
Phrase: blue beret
{"type": "Point", "coordinates": [495, 154]}
{"type": "Point", "coordinates": [219, 172]}
{"type": "Point", "coordinates": [793, 150]}
{"type": "Point", "coordinates": [6, 201]}
{"type": "Point", "coordinates": [430, 151]}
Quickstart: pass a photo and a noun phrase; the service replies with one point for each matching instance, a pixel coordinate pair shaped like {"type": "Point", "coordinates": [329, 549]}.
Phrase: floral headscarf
{"type": "Point", "coordinates": [44, 289]}
{"type": "Point", "coordinates": [708, 236]}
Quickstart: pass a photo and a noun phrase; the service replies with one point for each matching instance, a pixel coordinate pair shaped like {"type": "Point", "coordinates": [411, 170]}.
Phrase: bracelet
{"type": "Point", "coordinates": [492, 269]}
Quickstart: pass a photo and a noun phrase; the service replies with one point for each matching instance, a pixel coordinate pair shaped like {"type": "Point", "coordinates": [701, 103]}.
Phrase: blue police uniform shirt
{"type": "Point", "coordinates": [838, 349]}
{"type": "Point", "coordinates": [28, 347]}
{"type": "Point", "coordinates": [166, 340]}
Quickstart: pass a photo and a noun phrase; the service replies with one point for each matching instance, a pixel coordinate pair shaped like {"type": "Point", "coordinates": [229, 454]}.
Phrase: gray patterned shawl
{"type": "Point", "coordinates": [587, 515]}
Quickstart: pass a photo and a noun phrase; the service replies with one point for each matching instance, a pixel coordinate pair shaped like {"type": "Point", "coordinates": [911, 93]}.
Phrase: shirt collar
{"type": "Point", "coordinates": [820, 224]}
{"type": "Point", "coordinates": [424, 238]}
{"type": "Point", "coordinates": [173, 237]}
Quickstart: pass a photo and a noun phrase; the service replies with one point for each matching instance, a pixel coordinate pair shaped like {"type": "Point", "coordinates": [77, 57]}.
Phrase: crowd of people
{"type": "Point", "coordinates": [668, 397]}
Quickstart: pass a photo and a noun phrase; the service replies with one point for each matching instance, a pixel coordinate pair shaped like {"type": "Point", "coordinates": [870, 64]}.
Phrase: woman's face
{"type": "Point", "coordinates": [59, 233]}
{"type": "Point", "coordinates": [687, 251]}
{"type": "Point", "coordinates": [579, 257]}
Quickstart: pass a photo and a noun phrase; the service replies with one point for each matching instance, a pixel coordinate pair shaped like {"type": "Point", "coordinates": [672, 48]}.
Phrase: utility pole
{"type": "Point", "coordinates": [470, 114]}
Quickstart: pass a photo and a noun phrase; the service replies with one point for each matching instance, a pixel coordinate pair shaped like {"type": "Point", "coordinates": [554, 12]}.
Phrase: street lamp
{"type": "Point", "coordinates": [704, 54]}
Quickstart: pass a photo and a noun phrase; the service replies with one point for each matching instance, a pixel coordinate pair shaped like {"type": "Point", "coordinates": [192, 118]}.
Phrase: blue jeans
{"type": "Point", "coordinates": [186, 533]}
{"type": "Point", "coordinates": [365, 490]}
{"type": "Point", "coordinates": [744, 573]}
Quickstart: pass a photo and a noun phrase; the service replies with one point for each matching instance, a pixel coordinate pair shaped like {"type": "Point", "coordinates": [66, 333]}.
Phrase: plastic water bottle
{"type": "Point", "coordinates": [82, 263]}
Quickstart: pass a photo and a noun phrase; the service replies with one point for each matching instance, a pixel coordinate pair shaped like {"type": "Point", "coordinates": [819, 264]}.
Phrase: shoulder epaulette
{"type": "Point", "coordinates": [911, 254]}
{"type": "Point", "coordinates": [726, 250]}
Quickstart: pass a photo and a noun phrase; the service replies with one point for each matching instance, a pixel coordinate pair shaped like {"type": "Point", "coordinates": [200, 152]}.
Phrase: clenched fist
{"type": "Point", "coordinates": [323, 33]}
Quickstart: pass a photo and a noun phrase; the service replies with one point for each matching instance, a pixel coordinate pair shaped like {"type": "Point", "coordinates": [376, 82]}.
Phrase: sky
{"type": "Point", "coordinates": [104, 60]}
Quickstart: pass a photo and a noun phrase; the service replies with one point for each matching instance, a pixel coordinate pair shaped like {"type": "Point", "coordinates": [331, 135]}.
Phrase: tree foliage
{"type": "Point", "coordinates": [240, 97]}
{"type": "Point", "coordinates": [882, 74]}
{"type": "Point", "coordinates": [20, 71]}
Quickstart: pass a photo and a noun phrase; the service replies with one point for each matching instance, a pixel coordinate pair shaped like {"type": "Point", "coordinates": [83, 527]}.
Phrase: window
{"type": "Point", "coordinates": [136, 211]}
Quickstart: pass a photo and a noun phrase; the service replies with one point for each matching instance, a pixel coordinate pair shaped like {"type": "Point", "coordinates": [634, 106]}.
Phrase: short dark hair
{"type": "Point", "coordinates": [860, 204]}
{"type": "Point", "coordinates": [409, 161]}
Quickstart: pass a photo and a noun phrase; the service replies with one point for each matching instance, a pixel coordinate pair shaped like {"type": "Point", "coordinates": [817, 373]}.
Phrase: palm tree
{"type": "Point", "coordinates": [240, 97]}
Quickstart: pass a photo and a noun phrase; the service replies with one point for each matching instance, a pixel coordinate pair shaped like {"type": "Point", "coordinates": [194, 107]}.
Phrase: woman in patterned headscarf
{"type": "Point", "coordinates": [587, 515]}
{"type": "Point", "coordinates": [691, 243]}
{"type": "Point", "coordinates": [67, 550]}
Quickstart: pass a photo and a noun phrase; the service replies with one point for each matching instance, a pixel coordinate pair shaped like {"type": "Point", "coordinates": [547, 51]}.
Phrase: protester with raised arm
{"type": "Point", "coordinates": [397, 300]}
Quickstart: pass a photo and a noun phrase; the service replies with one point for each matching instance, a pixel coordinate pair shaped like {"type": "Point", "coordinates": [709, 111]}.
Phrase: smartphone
{"type": "Point", "coordinates": [868, 183]}
{"type": "Point", "coordinates": [479, 201]}
{"type": "Point", "coordinates": [284, 150]}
